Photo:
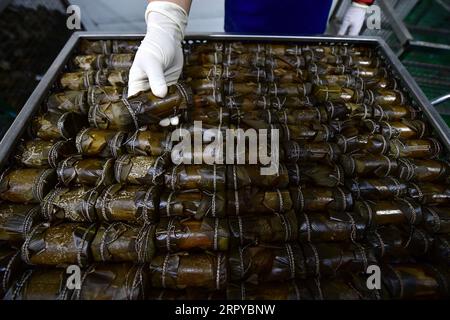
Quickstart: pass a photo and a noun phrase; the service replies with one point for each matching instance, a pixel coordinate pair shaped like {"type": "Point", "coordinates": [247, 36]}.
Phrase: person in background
{"type": "Point", "coordinates": [159, 60]}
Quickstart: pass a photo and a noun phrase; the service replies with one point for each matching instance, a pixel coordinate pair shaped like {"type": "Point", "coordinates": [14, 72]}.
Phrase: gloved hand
{"type": "Point", "coordinates": [159, 59]}
{"type": "Point", "coordinates": [353, 20]}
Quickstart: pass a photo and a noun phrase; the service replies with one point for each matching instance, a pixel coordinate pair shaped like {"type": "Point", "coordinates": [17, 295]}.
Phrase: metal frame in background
{"type": "Point", "coordinates": [14, 133]}
{"type": "Point", "coordinates": [392, 14]}
{"type": "Point", "coordinates": [398, 35]}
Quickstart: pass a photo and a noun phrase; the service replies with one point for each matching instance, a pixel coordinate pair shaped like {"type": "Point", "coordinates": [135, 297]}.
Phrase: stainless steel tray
{"type": "Point", "coordinates": [33, 104]}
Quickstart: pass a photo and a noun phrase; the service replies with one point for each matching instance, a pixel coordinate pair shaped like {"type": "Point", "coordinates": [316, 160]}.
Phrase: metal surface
{"type": "Point", "coordinates": [393, 30]}
{"type": "Point", "coordinates": [444, 5]}
{"type": "Point", "coordinates": [397, 24]}
{"type": "Point", "coordinates": [440, 100]}
{"type": "Point", "coordinates": [428, 45]}
{"type": "Point", "coordinates": [32, 106]}
{"type": "Point", "coordinates": [427, 56]}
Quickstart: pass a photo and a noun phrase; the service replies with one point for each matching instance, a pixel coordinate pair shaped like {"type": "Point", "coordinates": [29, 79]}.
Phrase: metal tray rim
{"type": "Point", "coordinates": [32, 105]}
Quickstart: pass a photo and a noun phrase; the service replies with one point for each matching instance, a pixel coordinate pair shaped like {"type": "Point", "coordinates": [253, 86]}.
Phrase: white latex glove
{"type": "Point", "coordinates": [159, 59]}
{"type": "Point", "coordinates": [353, 20]}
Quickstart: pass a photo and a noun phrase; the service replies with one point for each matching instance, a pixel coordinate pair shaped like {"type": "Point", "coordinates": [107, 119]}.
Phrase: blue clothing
{"type": "Point", "coordinates": [282, 17]}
